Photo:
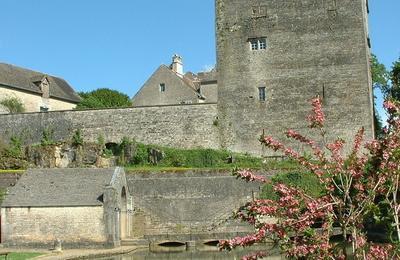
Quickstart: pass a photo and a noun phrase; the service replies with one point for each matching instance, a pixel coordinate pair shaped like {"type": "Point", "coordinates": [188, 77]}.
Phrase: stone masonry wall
{"type": "Point", "coordinates": [74, 226]}
{"type": "Point", "coordinates": [185, 126]}
{"type": "Point", "coordinates": [200, 202]}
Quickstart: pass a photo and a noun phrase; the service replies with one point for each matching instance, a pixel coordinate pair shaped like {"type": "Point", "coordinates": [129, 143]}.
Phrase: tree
{"type": "Point", "coordinates": [395, 79]}
{"type": "Point", "coordinates": [351, 184]}
{"type": "Point", "coordinates": [13, 105]}
{"type": "Point", "coordinates": [380, 75]}
{"type": "Point", "coordinates": [103, 98]}
{"type": "Point", "coordinates": [380, 80]}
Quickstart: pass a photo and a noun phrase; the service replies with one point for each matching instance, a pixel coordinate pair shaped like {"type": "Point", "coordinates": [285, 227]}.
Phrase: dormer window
{"type": "Point", "coordinates": [43, 83]}
{"type": "Point", "coordinates": [44, 109]}
{"type": "Point", "coordinates": [258, 44]}
{"type": "Point", "coordinates": [162, 87]}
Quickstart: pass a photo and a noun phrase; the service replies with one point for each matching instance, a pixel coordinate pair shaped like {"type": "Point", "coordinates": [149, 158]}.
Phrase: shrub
{"type": "Point", "coordinates": [15, 148]}
{"type": "Point", "coordinates": [13, 104]}
{"type": "Point", "coordinates": [141, 155]}
{"type": "Point", "coordinates": [305, 181]}
{"type": "Point", "coordinates": [350, 182]}
{"type": "Point", "coordinates": [77, 138]}
{"type": "Point", "coordinates": [47, 137]}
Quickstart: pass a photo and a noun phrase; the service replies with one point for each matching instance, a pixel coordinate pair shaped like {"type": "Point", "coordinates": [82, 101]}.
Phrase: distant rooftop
{"type": "Point", "coordinates": [24, 79]}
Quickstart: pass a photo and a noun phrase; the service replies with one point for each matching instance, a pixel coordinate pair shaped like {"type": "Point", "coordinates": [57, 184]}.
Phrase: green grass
{"type": "Point", "coordinates": [12, 171]}
{"type": "Point", "coordinates": [21, 256]}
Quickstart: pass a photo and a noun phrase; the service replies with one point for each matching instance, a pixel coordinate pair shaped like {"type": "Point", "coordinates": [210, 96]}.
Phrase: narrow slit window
{"type": "Point", "coordinates": [162, 87]}
{"type": "Point", "coordinates": [261, 93]}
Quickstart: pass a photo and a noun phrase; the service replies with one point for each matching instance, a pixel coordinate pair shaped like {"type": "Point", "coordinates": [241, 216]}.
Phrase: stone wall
{"type": "Point", "coordinates": [32, 102]}
{"type": "Point", "coordinates": [185, 126]}
{"type": "Point", "coordinates": [74, 226]}
{"type": "Point", "coordinates": [195, 203]}
{"type": "Point", "coordinates": [313, 47]}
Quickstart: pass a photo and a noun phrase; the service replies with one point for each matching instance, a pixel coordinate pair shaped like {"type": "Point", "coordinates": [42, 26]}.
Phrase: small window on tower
{"type": "Point", "coordinates": [254, 44]}
{"type": "Point", "coordinates": [258, 44]}
{"type": "Point", "coordinates": [263, 44]}
{"type": "Point", "coordinates": [162, 87]}
{"type": "Point", "coordinates": [261, 93]}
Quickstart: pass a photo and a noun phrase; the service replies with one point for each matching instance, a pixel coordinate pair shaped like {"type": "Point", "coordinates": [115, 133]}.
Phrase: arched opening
{"type": "Point", "coordinates": [123, 216]}
{"type": "Point", "coordinates": [172, 244]}
{"type": "Point", "coordinates": [112, 147]}
{"type": "Point", "coordinates": [213, 243]}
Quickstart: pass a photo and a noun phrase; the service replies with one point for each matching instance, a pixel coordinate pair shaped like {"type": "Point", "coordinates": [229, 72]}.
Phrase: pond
{"type": "Point", "coordinates": [195, 254]}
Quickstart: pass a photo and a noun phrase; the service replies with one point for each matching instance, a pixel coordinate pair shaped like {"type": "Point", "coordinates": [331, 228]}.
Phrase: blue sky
{"type": "Point", "coordinates": [118, 44]}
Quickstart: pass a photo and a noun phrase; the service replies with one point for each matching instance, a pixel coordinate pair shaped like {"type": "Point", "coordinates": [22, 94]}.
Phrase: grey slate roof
{"type": "Point", "coordinates": [209, 76]}
{"type": "Point", "coordinates": [186, 80]}
{"type": "Point", "coordinates": [23, 79]}
{"type": "Point", "coordinates": [59, 187]}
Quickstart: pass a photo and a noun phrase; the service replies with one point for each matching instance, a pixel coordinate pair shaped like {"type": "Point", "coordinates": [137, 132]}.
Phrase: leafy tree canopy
{"type": "Point", "coordinates": [380, 80]}
{"type": "Point", "coordinates": [380, 75]}
{"type": "Point", "coordinates": [103, 98]}
{"type": "Point", "coordinates": [395, 79]}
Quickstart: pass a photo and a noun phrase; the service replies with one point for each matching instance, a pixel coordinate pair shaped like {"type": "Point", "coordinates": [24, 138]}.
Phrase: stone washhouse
{"type": "Point", "coordinates": [79, 207]}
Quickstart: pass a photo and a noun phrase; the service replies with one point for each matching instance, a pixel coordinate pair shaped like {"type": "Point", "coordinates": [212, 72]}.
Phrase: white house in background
{"type": "Point", "coordinates": [38, 92]}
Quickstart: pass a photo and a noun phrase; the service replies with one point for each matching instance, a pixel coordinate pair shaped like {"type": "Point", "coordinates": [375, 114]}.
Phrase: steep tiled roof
{"type": "Point", "coordinates": [23, 79]}
{"type": "Point", "coordinates": [59, 187]}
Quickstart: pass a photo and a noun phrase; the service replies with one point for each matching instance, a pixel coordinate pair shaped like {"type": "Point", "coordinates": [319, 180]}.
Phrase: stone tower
{"type": "Point", "coordinates": [274, 56]}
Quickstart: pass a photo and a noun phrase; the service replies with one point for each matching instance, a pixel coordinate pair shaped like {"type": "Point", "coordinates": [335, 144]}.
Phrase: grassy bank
{"type": "Point", "coordinates": [20, 256]}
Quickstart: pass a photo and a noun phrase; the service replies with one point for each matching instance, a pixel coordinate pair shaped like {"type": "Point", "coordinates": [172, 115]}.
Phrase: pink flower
{"type": "Point", "coordinates": [250, 176]}
{"type": "Point", "coordinates": [317, 117]}
{"type": "Point", "coordinates": [272, 143]}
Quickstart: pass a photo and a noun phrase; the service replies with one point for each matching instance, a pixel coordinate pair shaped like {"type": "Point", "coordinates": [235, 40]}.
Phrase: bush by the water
{"type": "Point", "coordinates": [305, 181]}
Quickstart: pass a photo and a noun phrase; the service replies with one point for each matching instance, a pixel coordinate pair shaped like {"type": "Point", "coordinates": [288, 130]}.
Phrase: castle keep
{"type": "Point", "coordinates": [273, 56]}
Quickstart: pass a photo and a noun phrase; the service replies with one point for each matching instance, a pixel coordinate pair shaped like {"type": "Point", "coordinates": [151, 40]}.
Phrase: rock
{"type": "Point", "coordinates": [155, 156]}
{"type": "Point", "coordinates": [57, 245]}
{"type": "Point", "coordinates": [10, 163]}
{"type": "Point", "coordinates": [90, 153]}
{"type": "Point", "coordinates": [103, 162]}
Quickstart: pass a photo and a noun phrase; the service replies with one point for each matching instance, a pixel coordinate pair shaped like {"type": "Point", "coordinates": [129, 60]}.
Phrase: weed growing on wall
{"type": "Point", "coordinates": [77, 138]}
{"type": "Point", "coordinates": [47, 137]}
{"type": "Point", "coordinates": [15, 148]}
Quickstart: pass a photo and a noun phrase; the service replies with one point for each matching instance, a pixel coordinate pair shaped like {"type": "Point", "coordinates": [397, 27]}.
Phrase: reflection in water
{"type": "Point", "coordinates": [194, 255]}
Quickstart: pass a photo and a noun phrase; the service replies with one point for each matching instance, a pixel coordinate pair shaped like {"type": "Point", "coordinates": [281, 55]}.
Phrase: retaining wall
{"type": "Point", "coordinates": [181, 126]}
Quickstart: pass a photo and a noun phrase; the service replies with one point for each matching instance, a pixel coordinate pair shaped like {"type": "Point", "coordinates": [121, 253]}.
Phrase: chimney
{"type": "Point", "coordinates": [177, 65]}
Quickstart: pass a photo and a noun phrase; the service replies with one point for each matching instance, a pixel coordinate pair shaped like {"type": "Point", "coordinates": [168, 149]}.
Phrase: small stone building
{"type": "Point", "coordinates": [80, 207]}
{"type": "Point", "coordinates": [169, 85]}
{"type": "Point", "coordinates": [38, 92]}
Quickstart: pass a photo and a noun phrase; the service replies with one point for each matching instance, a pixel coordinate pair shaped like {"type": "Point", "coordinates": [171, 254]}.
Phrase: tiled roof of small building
{"type": "Point", "coordinates": [60, 187]}
{"type": "Point", "coordinates": [23, 79]}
